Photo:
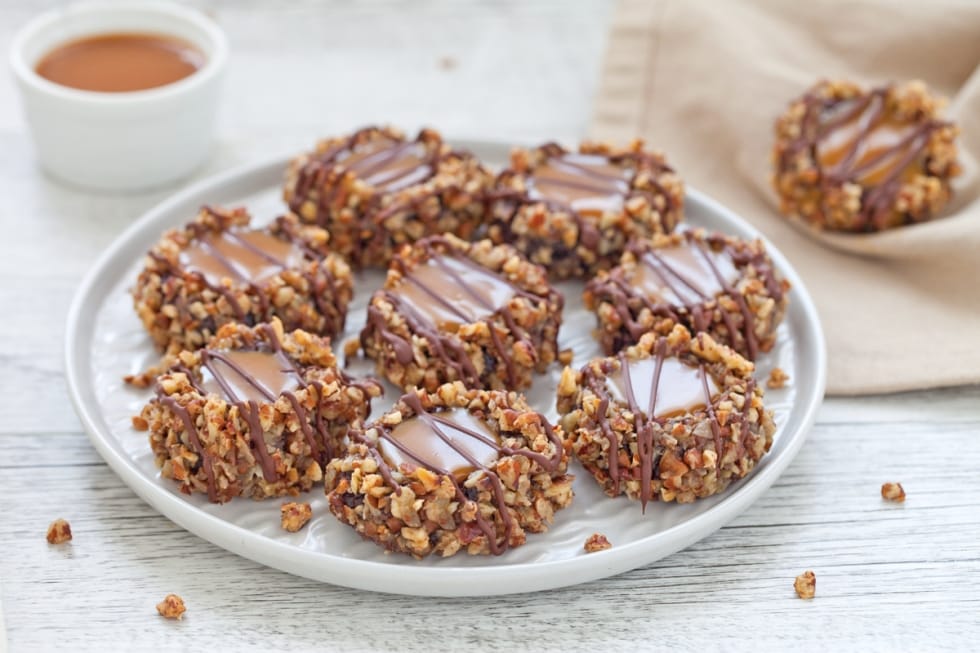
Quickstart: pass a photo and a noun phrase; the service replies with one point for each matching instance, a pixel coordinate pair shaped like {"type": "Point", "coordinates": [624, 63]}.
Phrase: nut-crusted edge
{"type": "Point", "coordinates": [806, 585]}
{"type": "Point", "coordinates": [295, 515]}
{"type": "Point", "coordinates": [688, 465]}
{"type": "Point", "coordinates": [425, 515]}
{"type": "Point", "coordinates": [539, 319]}
{"type": "Point", "coordinates": [806, 193]}
{"type": "Point", "coordinates": [217, 456]}
{"type": "Point", "coordinates": [574, 245]}
{"type": "Point", "coordinates": [369, 224]}
{"type": "Point", "coordinates": [171, 607]}
{"type": "Point", "coordinates": [746, 318]}
{"type": "Point", "coordinates": [59, 531]}
{"type": "Point", "coordinates": [181, 310]}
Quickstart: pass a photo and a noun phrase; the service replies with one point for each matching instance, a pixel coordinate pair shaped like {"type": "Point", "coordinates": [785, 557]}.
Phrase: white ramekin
{"type": "Point", "coordinates": [120, 141]}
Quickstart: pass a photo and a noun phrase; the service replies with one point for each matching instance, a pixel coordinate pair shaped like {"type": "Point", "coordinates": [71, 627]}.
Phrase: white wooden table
{"type": "Point", "coordinates": [888, 576]}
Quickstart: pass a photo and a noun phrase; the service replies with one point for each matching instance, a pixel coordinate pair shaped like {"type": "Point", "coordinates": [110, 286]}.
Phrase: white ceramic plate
{"type": "Point", "coordinates": [106, 341]}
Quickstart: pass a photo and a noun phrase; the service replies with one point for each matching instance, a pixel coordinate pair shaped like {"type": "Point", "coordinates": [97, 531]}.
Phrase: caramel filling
{"type": "Point", "coordinates": [588, 183]}
{"type": "Point", "coordinates": [388, 164]}
{"type": "Point", "coordinates": [452, 442]}
{"type": "Point", "coordinates": [682, 276]}
{"type": "Point", "coordinates": [244, 256]}
{"type": "Point", "coordinates": [121, 62]}
{"type": "Point", "coordinates": [243, 376]}
{"type": "Point", "coordinates": [674, 389]}
{"type": "Point", "coordinates": [865, 147]}
{"type": "Point", "coordinates": [449, 291]}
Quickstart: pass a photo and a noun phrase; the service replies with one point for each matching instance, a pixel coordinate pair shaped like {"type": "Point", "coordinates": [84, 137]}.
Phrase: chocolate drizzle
{"type": "Point", "coordinates": [582, 185]}
{"type": "Point", "coordinates": [854, 140]}
{"type": "Point", "coordinates": [448, 431]}
{"type": "Point", "coordinates": [588, 184]}
{"type": "Point", "coordinates": [674, 389]}
{"type": "Point", "coordinates": [247, 378]}
{"type": "Point", "coordinates": [381, 160]}
{"type": "Point", "coordinates": [682, 282]}
{"type": "Point", "coordinates": [386, 163]}
{"type": "Point", "coordinates": [445, 290]}
{"type": "Point", "coordinates": [191, 429]}
{"type": "Point", "coordinates": [248, 257]}
{"type": "Point", "coordinates": [240, 256]}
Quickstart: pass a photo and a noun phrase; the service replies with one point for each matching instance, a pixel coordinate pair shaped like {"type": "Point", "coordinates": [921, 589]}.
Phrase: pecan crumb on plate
{"type": "Point", "coordinates": [777, 379]}
{"type": "Point", "coordinates": [565, 356]}
{"type": "Point", "coordinates": [295, 515]}
{"type": "Point", "coordinates": [597, 542]}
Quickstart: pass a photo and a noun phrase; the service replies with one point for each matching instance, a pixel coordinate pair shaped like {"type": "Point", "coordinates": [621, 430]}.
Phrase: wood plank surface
{"type": "Point", "coordinates": [889, 576]}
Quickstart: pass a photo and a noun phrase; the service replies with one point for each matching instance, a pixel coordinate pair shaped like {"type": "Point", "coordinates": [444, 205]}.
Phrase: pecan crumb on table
{"type": "Point", "coordinates": [805, 585]}
{"type": "Point", "coordinates": [295, 515]}
{"type": "Point", "coordinates": [597, 542]}
{"type": "Point", "coordinates": [893, 492]}
{"type": "Point", "coordinates": [172, 607]}
{"type": "Point", "coordinates": [59, 531]}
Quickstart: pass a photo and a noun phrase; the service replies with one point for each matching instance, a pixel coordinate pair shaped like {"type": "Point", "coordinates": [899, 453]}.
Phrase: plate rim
{"type": "Point", "coordinates": [407, 579]}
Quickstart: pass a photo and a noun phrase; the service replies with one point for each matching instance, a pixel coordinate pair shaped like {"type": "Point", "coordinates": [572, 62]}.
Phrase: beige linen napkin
{"type": "Point", "coordinates": [704, 81]}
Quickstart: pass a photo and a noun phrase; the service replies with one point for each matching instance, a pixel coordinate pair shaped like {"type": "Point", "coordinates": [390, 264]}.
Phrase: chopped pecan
{"type": "Point", "coordinates": [597, 542]}
{"type": "Point", "coordinates": [806, 585]}
{"type": "Point", "coordinates": [295, 515]}
{"type": "Point", "coordinates": [59, 531]}
{"type": "Point", "coordinates": [172, 607]}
